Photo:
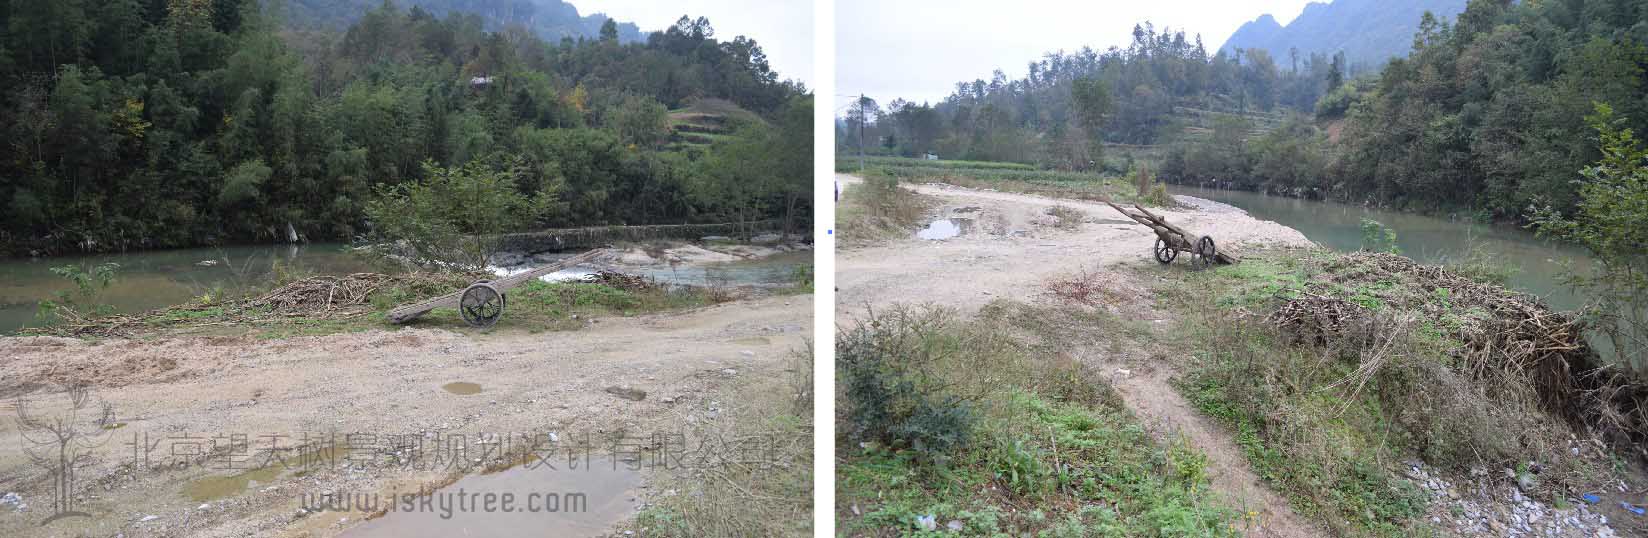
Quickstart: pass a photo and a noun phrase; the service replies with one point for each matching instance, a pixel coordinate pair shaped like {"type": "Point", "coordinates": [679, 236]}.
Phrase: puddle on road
{"type": "Point", "coordinates": [462, 388]}
{"type": "Point", "coordinates": [213, 488]}
{"type": "Point", "coordinates": [945, 228]}
{"type": "Point", "coordinates": [558, 501]}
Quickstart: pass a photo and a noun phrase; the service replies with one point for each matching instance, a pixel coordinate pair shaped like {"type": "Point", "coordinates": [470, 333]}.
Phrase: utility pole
{"type": "Point", "coordinates": [862, 119]}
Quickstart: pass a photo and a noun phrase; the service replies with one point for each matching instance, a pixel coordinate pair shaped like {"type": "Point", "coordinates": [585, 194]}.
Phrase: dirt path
{"type": "Point", "coordinates": [381, 382]}
{"type": "Point", "coordinates": [1010, 248]}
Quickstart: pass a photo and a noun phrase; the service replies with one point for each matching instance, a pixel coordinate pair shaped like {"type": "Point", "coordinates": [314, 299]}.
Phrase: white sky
{"type": "Point", "coordinates": [783, 28]}
{"type": "Point", "coordinates": [919, 49]}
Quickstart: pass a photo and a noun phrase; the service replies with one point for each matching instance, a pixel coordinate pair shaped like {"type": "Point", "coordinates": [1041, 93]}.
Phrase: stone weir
{"type": "Point", "coordinates": [600, 236]}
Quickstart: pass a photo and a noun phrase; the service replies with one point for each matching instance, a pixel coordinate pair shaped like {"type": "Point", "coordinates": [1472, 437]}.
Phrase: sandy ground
{"type": "Point", "coordinates": [383, 382]}
{"type": "Point", "coordinates": [1011, 248]}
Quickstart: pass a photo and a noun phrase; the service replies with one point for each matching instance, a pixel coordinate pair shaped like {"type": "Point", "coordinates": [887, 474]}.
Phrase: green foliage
{"type": "Point", "coordinates": [142, 126]}
{"type": "Point", "coordinates": [894, 394]}
{"type": "Point", "coordinates": [452, 218]}
{"type": "Point", "coordinates": [1611, 224]}
{"type": "Point", "coordinates": [84, 300]}
{"type": "Point", "coordinates": [1070, 104]}
{"type": "Point", "coordinates": [1376, 237]}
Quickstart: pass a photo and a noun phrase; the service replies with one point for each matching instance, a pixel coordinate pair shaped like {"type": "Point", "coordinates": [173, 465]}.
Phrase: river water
{"type": "Point", "coordinates": [1538, 263]}
{"type": "Point", "coordinates": [159, 278]}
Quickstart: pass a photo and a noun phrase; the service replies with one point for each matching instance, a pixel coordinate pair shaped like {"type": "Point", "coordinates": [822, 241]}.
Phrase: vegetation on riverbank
{"type": "Point", "coordinates": [1484, 117]}
{"type": "Point", "coordinates": [878, 208]}
{"type": "Point", "coordinates": [984, 427]}
{"type": "Point", "coordinates": [1010, 177]}
{"type": "Point", "coordinates": [156, 124]}
{"type": "Point", "coordinates": [1331, 370]}
{"type": "Point", "coordinates": [314, 305]}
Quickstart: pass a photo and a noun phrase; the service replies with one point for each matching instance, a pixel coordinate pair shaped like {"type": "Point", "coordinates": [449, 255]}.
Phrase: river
{"type": "Point", "coordinates": [158, 278]}
{"type": "Point", "coordinates": [1538, 263]}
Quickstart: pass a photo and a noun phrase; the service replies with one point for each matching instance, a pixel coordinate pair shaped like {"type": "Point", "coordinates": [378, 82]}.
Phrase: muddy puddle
{"type": "Point", "coordinates": [462, 388]}
{"type": "Point", "coordinates": [561, 501]}
{"type": "Point", "coordinates": [946, 228]}
{"type": "Point", "coordinates": [213, 488]}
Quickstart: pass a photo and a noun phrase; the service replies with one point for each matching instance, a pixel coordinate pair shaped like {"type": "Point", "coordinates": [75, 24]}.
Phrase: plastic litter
{"type": "Point", "coordinates": [1591, 498]}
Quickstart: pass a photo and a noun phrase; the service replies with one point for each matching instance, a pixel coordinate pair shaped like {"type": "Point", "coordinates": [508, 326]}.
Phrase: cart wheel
{"type": "Point", "coordinates": [481, 305]}
{"type": "Point", "coordinates": [1165, 252]}
{"type": "Point", "coordinates": [1206, 254]}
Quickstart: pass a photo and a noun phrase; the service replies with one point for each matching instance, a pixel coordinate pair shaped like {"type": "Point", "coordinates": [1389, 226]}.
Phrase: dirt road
{"type": "Point", "coordinates": [1009, 247]}
{"type": "Point", "coordinates": [381, 382]}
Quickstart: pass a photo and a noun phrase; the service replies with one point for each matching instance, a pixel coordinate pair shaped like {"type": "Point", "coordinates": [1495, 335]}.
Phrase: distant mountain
{"type": "Point", "coordinates": [550, 19]}
{"type": "Point", "coordinates": [1368, 31]}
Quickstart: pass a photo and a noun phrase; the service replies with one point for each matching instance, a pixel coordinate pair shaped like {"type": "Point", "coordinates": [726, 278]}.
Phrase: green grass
{"type": "Point", "coordinates": [879, 209]}
{"type": "Point", "coordinates": [1011, 177]}
{"type": "Point", "coordinates": [533, 307]}
{"type": "Point", "coordinates": [1291, 396]}
{"type": "Point", "coordinates": [1053, 452]}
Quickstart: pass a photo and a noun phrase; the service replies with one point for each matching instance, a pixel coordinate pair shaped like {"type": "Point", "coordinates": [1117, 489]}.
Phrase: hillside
{"type": "Point", "coordinates": [550, 19]}
{"type": "Point", "coordinates": [1368, 31]}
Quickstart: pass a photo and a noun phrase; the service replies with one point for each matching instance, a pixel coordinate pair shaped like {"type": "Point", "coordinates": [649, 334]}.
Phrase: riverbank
{"type": "Point", "coordinates": [239, 427]}
{"type": "Point", "coordinates": [166, 288]}
{"type": "Point", "coordinates": [1082, 303]}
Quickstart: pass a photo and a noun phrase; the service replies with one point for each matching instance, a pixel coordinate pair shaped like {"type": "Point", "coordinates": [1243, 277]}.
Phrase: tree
{"type": "Point", "coordinates": [609, 31]}
{"type": "Point", "coordinates": [453, 217]}
{"type": "Point", "coordinates": [1611, 224]}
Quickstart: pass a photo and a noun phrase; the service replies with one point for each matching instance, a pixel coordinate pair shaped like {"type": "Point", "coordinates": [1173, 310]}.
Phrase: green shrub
{"type": "Point", "coordinates": [86, 297]}
{"type": "Point", "coordinates": [894, 395]}
{"type": "Point", "coordinates": [1378, 238]}
{"type": "Point", "coordinates": [452, 218]}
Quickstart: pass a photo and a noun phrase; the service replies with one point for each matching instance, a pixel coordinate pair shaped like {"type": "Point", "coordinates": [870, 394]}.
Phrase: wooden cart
{"type": "Point", "coordinates": [482, 303]}
{"type": "Point", "coordinates": [1171, 240]}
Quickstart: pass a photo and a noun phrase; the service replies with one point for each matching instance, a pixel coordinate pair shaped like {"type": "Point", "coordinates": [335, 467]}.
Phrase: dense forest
{"type": "Point", "coordinates": [1069, 103]}
{"type": "Point", "coordinates": [1485, 117]}
{"type": "Point", "coordinates": [159, 123]}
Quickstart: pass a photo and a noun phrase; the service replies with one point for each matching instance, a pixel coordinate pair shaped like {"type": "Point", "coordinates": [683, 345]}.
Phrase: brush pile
{"type": "Point", "coordinates": [1513, 346]}
{"type": "Point", "coordinates": [322, 293]}
{"type": "Point", "coordinates": [623, 281]}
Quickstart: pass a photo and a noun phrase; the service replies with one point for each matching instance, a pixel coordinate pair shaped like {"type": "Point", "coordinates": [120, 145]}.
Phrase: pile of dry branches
{"type": "Point", "coordinates": [1507, 336]}
{"type": "Point", "coordinates": [322, 293]}
{"type": "Point", "coordinates": [623, 281]}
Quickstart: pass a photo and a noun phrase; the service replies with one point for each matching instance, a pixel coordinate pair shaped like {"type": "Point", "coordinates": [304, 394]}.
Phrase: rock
{"type": "Point", "coordinates": [627, 393]}
{"type": "Point", "coordinates": [927, 523]}
{"type": "Point", "coordinates": [730, 371]}
{"type": "Point", "coordinates": [147, 519]}
{"type": "Point", "coordinates": [1527, 482]}
{"type": "Point", "coordinates": [747, 353]}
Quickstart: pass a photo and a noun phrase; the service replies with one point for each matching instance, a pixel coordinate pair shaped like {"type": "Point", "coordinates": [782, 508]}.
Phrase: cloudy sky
{"type": "Point", "coordinates": [784, 29]}
{"type": "Point", "coordinates": [919, 50]}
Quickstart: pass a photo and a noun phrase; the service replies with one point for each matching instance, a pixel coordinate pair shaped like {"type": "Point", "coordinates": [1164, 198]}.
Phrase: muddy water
{"type": "Point", "coordinates": [154, 279]}
{"type": "Point", "coordinates": [559, 501]}
{"type": "Point", "coordinates": [771, 271]}
{"type": "Point", "coordinates": [462, 388]}
{"type": "Point", "coordinates": [945, 228]}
